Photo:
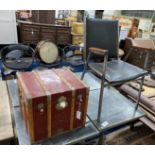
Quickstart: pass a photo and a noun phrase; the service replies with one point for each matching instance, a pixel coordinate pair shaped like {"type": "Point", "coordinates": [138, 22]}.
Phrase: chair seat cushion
{"type": "Point", "coordinates": [118, 71]}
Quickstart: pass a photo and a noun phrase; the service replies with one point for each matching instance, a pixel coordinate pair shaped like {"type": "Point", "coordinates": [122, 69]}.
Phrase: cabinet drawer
{"type": "Point", "coordinates": [30, 28]}
{"type": "Point", "coordinates": [48, 29]}
{"type": "Point", "coordinates": [64, 30]}
{"type": "Point", "coordinates": [27, 36]}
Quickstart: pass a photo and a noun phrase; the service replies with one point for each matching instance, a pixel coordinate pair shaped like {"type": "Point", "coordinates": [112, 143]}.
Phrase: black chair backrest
{"type": "Point", "coordinates": [102, 34]}
{"type": "Point", "coordinates": [17, 57]}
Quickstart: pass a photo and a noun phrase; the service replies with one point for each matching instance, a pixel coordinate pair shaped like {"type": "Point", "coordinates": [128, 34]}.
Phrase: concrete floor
{"type": "Point", "coordinates": [140, 135]}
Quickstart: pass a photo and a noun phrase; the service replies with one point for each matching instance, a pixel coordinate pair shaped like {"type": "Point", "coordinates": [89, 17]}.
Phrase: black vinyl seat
{"type": "Point", "coordinates": [102, 42]}
{"type": "Point", "coordinates": [118, 71]}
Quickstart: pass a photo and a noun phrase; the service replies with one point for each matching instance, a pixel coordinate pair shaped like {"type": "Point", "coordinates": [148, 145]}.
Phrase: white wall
{"type": "Point", "coordinates": [8, 29]}
{"type": "Point", "coordinates": [112, 12]}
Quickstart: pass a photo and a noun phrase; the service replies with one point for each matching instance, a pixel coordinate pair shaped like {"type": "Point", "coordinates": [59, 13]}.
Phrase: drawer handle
{"type": "Point", "coordinates": [32, 32]}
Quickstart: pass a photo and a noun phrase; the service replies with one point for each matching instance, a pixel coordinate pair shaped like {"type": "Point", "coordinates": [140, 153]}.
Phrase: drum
{"type": "Point", "coordinates": [17, 57]}
{"type": "Point", "coordinates": [47, 51]}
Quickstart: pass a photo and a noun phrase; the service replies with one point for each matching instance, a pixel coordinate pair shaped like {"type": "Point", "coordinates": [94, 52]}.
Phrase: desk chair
{"type": "Point", "coordinates": [102, 38]}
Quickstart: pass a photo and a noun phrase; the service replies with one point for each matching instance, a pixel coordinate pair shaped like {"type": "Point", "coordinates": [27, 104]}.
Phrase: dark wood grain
{"type": "Point", "coordinates": [32, 33]}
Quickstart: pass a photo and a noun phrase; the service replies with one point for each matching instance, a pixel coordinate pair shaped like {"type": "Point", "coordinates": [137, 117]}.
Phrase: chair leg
{"type": "Point", "coordinates": [139, 93]}
{"type": "Point", "coordinates": [102, 89]}
{"type": "Point", "coordinates": [142, 81]}
{"type": "Point", "coordinates": [100, 100]}
{"type": "Point", "coordinates": [85, 67]}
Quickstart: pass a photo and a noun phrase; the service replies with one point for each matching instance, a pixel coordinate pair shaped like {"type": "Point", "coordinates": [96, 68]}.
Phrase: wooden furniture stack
{"type": "Point", "coordinates": [32, 33]}
{"type": "Point", "coordinates": [137, 49]}
{"type": "Point", "coordinates": [6, 129]}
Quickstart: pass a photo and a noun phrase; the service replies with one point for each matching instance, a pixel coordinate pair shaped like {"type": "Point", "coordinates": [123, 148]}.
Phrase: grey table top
{"type": "Point", "coordinates": [91, 80]}
{"type": "Point", "coordinates": [117, 110]}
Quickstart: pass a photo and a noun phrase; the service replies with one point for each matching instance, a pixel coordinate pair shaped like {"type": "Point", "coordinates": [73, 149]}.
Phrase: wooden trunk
{"type": "Point", "coordinates": [50, 105]}
{"type": "Point", "coordinates": [81, 96]}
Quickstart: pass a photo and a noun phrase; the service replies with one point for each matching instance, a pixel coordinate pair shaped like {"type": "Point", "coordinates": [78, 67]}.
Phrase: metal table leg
{"type": "Point", "coordinates": [102, 139]}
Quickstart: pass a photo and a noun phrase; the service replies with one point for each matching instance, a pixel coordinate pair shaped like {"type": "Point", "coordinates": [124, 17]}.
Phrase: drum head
{"type": "Point", "coordinates": [48, 52]}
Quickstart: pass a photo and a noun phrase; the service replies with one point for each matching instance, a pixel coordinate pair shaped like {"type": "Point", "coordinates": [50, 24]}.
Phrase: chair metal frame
{"type": "Point", "coordinates": [103, 80]}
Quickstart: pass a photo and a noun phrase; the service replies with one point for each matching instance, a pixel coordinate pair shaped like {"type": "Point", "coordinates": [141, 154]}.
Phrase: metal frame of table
{"type": "Point", "coordinates": [117, 111]}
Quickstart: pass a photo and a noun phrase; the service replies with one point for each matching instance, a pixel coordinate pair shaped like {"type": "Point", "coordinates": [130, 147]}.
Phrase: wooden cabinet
{"type": "Point", "coordinates": [48, 33]}
{"type": "Point", "coordinates": [29, 34]}
{"type": "Point", "coordinates": [32, 33]}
